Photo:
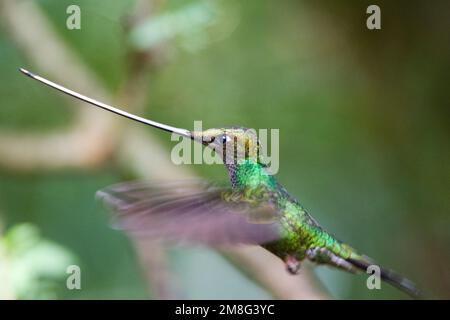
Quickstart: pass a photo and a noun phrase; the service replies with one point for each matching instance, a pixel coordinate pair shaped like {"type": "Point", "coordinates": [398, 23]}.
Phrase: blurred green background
{"type": "Point", "coordinates": [364, 134]}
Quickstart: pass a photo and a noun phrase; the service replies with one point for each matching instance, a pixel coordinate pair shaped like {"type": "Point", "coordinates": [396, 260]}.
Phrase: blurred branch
{"type": "Point", "coordinates": [95, 136]}
{"type": "Point", "coordinates": [270, 272]}
{"type": "Point", "coordinates": [90, 140]}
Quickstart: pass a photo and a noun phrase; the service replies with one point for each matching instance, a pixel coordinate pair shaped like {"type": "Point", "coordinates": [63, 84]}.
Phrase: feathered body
{"type": "Point", "coordinates": [256, 209]}
{"type": "Point", "coordinates": [299, 231]}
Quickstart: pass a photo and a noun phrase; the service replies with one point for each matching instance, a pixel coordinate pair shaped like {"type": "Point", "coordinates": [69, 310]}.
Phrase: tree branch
{"type": "Point", "coordinates": [95, 136]}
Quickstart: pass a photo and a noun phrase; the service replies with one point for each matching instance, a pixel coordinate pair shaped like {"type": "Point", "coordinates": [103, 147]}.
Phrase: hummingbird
{"type": "Point", "coordinates": [252, 208]}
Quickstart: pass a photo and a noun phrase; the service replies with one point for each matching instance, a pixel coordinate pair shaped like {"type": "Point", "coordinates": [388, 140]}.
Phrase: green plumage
{"type": "Point", "coordinates": [300, 235]}
{"type": "Point", "coordinates": [247, 213]}
{"type": "Point", "coordinates": [300, 231]}
{"type": "Point", "coordinates": [255, 210]}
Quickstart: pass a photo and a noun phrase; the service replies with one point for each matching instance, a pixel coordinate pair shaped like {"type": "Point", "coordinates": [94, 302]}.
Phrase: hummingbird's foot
{"type": "Point", "coordinates": [292, 264]}
{"type": "Point", "coordinates": [325, 256]}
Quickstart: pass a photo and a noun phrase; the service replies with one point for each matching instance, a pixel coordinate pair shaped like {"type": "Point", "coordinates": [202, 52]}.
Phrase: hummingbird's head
{"type": "Point", "coordinates": [233, 144]}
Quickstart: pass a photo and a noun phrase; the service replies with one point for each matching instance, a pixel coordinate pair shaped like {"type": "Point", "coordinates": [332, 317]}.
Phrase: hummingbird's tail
{"type": "Point", "coordinates": [389, 276]}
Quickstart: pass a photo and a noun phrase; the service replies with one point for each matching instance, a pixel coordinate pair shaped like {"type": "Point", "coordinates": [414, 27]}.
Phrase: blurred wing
{"type": "Point", "coordinates": [189, 211]}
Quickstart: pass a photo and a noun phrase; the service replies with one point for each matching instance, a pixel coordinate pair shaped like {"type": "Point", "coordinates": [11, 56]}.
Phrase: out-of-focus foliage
{"type": "Point", "coordinates": [363, 118]}
{"type": "Point", "coordinates": [192, 27]}
{"type": "Point", "coordinates": [36, 266]}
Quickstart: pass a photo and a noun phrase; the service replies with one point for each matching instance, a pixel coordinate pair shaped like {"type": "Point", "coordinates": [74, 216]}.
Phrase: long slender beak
{"type": "Point", "coordinates": [182, 132]}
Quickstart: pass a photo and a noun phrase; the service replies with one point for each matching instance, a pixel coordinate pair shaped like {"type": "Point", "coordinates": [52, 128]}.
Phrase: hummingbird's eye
{"type": "Point", "coordinates": [225, 138]}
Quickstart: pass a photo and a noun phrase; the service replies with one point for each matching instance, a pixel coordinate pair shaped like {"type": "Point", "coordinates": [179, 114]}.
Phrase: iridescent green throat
{"type": "Point", "coordinates": [250, 174]}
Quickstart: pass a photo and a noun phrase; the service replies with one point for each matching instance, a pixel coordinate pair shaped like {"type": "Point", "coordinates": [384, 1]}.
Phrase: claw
{"type": "Point", "coordinates": [292, 264]}
{"type": "Point", "coordinates": [325, 256]}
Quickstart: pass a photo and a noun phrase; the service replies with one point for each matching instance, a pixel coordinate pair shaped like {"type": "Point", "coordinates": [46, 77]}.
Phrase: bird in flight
{"type": "Point", "coordinates": [253, 208]}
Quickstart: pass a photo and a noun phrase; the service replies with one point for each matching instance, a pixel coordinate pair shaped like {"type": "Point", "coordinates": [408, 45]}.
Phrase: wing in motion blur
{"type": "Point", "coordinates": [192, 211]}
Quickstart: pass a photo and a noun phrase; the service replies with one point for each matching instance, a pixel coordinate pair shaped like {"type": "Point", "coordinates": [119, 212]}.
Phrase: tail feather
{"type": "Point", "coordinates": [390, 277]}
